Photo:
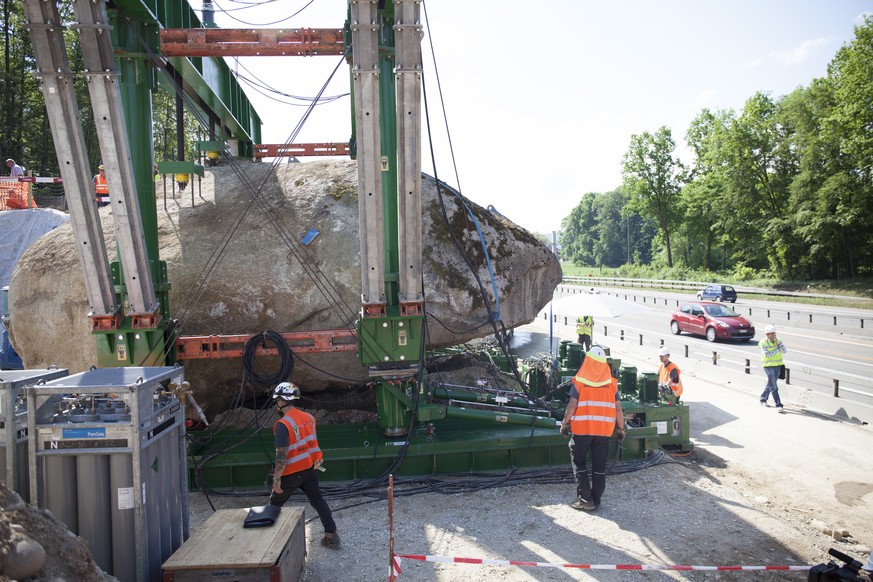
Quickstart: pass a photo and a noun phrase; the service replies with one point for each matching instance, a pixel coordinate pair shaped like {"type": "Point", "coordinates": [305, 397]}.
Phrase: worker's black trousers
{"type": "Point", "coordinates": [307, 481]}
{"type": "Point", "coordinates": [580, 445]}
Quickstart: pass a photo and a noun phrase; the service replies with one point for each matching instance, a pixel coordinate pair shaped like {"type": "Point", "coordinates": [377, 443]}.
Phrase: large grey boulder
{"type": "Point", "coordinates": [232, 272]}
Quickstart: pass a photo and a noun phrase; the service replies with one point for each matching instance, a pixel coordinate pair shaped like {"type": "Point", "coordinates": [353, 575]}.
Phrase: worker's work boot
{"type": "Point", "coordinates": [581, 504]}
{"type": "Point", "coordinates": [331, 540]}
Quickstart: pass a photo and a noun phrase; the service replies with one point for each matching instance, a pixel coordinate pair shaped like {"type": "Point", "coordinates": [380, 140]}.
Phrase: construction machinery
{"type": "Point", "coordinates": [420, 429]}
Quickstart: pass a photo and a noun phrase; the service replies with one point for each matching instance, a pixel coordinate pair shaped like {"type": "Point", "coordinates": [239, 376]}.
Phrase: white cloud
{"type": "Point", "coordinates": [800, 53]}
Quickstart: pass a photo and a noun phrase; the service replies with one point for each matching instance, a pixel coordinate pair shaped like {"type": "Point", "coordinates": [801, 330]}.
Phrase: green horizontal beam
{"type": "Point", "coordinates": [207, 80]}
{"type": "Point", "coordinates": [183, 167]}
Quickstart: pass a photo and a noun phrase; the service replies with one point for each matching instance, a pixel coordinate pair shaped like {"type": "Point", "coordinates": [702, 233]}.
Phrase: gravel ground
{"type": "Point", "coordinates": [679, 512]}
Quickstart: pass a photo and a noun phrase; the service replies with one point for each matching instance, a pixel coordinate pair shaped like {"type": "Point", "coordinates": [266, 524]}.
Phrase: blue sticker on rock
{"type": "Point", "coordinates": [310, 236]}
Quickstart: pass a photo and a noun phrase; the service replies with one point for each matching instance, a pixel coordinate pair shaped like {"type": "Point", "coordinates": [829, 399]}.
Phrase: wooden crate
{"type": "Point", "coordinates": [223, 551]}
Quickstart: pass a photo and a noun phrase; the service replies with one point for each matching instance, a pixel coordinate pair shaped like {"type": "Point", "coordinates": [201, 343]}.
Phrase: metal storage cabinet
{"type": "Point", "coordinates": [13, 425]}
{"type": "Point", "coordinates": [107, 457]}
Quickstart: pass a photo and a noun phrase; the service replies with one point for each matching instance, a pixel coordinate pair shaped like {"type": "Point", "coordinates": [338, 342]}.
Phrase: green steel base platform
{"type": "Point", "coordinates": [241, 460]}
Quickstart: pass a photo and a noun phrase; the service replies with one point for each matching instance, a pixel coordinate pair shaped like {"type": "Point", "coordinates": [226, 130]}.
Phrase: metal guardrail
{"type": "Point", "coordinates": [691, 285]}
{"type": "Point", "coordinates": [860, 324]}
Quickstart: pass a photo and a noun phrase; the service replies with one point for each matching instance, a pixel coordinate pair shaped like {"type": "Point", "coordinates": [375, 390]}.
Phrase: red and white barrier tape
{"type": "Point", "coordinates": [32, 180]}
{"type": "Point", "coordinates": [640, 567]}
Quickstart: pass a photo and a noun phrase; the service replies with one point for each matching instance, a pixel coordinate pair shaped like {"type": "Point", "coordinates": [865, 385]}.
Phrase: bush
{"type": "Point", "coordinates": [743, 273]}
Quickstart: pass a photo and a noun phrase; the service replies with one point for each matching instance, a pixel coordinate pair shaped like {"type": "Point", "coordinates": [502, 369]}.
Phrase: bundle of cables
{"type": "Point", "coordinates": [260, 379]}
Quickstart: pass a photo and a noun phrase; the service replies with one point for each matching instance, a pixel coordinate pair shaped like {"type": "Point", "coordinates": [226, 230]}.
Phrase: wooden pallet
{"type": "Point", "coordinates": [223, 551]}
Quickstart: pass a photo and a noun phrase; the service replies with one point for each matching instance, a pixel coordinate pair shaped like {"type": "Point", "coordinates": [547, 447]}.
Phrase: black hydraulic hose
{"type": "Point", "coordinates": [286, 360]}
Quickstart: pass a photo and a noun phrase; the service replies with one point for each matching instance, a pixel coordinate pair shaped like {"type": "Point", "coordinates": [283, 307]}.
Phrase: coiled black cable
{"type": "Point", "coordinates": [286, 360]}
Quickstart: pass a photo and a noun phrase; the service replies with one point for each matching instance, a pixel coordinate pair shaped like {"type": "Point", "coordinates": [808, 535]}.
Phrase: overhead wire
{"type": "Point", "coordinates": [257, 82]}
{"type": "Point", "coordinates": [227, 12]}
{"type": "Point", "coordinates": [261, 90]}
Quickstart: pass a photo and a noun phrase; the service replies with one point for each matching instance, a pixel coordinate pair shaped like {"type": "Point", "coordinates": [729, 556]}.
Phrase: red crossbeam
{"type": "Point", "coordinates": [266, 42]}
{"type": "Point", "coordinates": [278, 150]}
{"type": "Point", "coordinates": [232, 346]}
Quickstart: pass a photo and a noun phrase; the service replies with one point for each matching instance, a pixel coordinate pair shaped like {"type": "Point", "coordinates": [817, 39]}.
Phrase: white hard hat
{"type": "Point", "coordinates": [664, 351]}
{"type": "Point", "coordinates": [597, 351]}
{"type": "Point", "coordinates": [770, 329]}
{"type": "Point", "coordinates": [286, 391]}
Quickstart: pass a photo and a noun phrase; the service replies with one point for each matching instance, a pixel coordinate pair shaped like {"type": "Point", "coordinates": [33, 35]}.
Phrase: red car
{"type": "Point", "coordinates": [713, 320]}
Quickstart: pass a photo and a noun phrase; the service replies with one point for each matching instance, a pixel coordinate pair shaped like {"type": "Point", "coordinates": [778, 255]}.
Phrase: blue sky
{"type": "Point", "coordinates": [542, 98]}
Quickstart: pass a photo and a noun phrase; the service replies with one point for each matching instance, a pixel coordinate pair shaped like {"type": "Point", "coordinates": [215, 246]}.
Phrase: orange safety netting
{"type": "Point", "coordinates": [16, 195]}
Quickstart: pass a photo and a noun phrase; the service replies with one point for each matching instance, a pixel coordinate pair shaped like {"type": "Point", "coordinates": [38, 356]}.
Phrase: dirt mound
{"type": "Point", "coordinates": [66, 555]}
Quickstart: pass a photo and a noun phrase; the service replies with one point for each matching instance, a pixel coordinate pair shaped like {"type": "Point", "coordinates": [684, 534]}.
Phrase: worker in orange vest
{"type": "Point", "coordinates": [669, 382]}
{"type": "Point", "coordinates": [101, 187]}
{"type": "Point", "coordinates": [592, 415]}
{"type": "Point", "coordinates": [298, 456]}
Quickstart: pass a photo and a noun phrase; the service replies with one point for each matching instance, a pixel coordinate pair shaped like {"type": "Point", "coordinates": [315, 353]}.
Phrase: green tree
{"type": "Point", "coordinates": [164, 128]}
{"type": "Point", "coordinates": [851, 75]}
{"type": "Point", "coordinates": [653, 177]}
{"type": "Point", "coordinates": [577, 232]}
{"type": "Point", "coordinates": [611, 244]}
{"type": "Point", "coordinates": [831, 193]}
{"type": "Point", "coordinates": [13, 76]}
{"type": "Point", "coordinates": [704, 197]}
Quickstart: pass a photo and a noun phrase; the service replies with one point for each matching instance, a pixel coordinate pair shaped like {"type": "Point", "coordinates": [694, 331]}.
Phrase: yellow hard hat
{"type": "Point", "coordinates": [100, 167]}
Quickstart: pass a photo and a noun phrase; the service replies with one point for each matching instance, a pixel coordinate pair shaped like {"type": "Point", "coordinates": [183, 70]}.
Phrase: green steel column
{"type": "Point", "coordinates": [388, 103]}
{"type": "Point", "coordinates": [127, 346]}
{"type": "Point", "coordinates": [392, 340]}
{"type": "Point", "coordinates": [393, 407]}
{"type": "Point", "coordinates": [136, 84]}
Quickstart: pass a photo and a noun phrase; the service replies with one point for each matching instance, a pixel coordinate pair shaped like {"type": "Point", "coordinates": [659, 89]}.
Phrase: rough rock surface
{"type": "Point", "coordinates": [232, 272]}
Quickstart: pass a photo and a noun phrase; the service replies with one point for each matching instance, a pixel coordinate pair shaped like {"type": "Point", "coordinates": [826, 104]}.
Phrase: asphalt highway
{"type": "Point", "coordinates": [823, 358]}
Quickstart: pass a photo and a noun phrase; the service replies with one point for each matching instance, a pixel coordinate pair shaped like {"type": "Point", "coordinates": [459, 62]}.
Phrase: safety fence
{"type": "Point", "coordinates": [32, 192]}
{"type": "Point", "coordinates": [699, 354]}
{"type": "Point", "coordinates": [16, 196]}
{"type": "Point", "coordinates": [856, 322]}
{"type": "Point", "coordinates": [50, 196]}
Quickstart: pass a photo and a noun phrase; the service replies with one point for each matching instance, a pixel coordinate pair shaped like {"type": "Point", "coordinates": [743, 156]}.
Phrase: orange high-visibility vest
{"type": "Point", "coordinates": [595, 409]}
{"type": "Point", "coordinates": [102, 188]}
{"type": "Point", "coordinates": [303, 449]}
{"type": "Point", "coordinates": [664, 378]}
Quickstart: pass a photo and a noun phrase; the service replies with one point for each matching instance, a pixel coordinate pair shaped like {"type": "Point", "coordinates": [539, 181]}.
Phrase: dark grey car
{"type": "Point", "coordinates": [718, 293]}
